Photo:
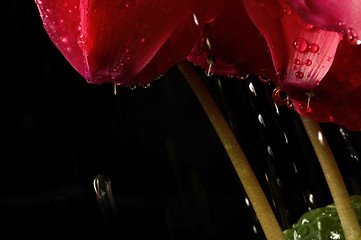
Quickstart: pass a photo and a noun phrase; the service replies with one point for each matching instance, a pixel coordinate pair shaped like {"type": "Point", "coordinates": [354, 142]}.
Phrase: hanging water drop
{"type": "Point", "coordinates": [279, 97]}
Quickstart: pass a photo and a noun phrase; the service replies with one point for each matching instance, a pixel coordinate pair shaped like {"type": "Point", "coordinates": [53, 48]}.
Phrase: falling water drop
{"type": "Point", "coordinates": [103, 190]}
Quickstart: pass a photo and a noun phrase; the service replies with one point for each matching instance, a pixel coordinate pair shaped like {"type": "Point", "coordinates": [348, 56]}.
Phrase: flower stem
{"type": "Point", "coordinates": [334, 180]}
{"type": "Point", "coordinates": [244, 171]}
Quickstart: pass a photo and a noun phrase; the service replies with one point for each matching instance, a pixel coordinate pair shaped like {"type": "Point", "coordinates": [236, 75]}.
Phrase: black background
{"type": "Point", "coordinates": [171, 177]}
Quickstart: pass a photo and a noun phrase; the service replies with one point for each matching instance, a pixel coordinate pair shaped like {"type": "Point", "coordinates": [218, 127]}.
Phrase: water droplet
{"type": "Point", "coordinates": [281, 74]}
{"type": "Point", "coordinates": [300, 45]}
{"type": "Point", "coordinates": [263, 79]}
{"type": "Point", "coordinates": [295, 68]}
{"type": "Point", "coordinates": [279, 97]}
{"type": "Point", "coordinates": [352, 36]}
{"type": "Point", "coordinates": [132, 87]}
{"type": "Point", "coordinates": [64, 39]}
{"type": "Point", "coordinates": [145, 86]}
{"type": "Point", "coordinates": [128, 3]}
{"type": "Point", "coordinates": [299, 75]}
{"type": "Point", "coordinates": [328, 59]}
{"type": "Point", "coordinates": [243, 77]}
{"type": "Point", "coordinates": [195, 19]}
{"type": "Point", "coordinates": [308, 62]}
{"type": "Point", "coordinates": [305, 25]}
{"type": "Point", "coordinates": [210, 60]}
{"type": "Point", "coordinates": [81, 41]}
{"type": "Point", "coordinates": [297, 61]}
{"type": "Point", "coordinates": [287, 11]}
{"type": "Point", "coordinates": [313, 48]}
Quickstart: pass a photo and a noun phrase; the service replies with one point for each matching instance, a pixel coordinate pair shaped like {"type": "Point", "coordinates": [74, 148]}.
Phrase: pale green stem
{"type": "Point", "coordinates": [334, 179]}
{"type": "Point", "coordinates": [250, 183]}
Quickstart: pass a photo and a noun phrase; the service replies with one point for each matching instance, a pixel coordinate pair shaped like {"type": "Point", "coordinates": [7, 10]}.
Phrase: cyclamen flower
{"type": "Point", "coordinates": [122, 41]}
{"type": "Point", "coordinates": [291, 42]}
{"type": "Point", "coordinates": [302, 39]}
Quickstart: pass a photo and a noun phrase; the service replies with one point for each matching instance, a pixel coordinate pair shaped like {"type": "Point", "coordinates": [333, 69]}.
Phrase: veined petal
{"type": "Point", "coordinates": [302, 53]}
{"type": "Point", "coordinates": [114, 40]}
{"type": "Point", "coordinates": [337, 99]}
{"type": "Point", "coordinates": [334, 15]}
{"type": "Point", "coordinates": [61, 20]}
{"type": "Point", "coordinates": [121, 37]}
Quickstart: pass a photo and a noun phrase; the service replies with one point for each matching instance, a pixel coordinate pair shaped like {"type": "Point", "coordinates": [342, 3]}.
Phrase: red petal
{"type": "Point", "coordinates": [234, 42]}
{"type": "Point", "coordinates": [114, 40]}
{"type": "Point", "coordinates": [337, 99]}
{"type": "Point", "coordinates": [123, 36]}
{"type": "Point", "coordinates": [334, 15]}
{"type": "Point", "coordinates": [61, 20]}
{"type": "Point", "coordinates": [302, 54]}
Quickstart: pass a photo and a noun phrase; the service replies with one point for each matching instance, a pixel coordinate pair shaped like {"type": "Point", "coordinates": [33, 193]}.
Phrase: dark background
{"type": "Point", "coordinates": [170, 176]}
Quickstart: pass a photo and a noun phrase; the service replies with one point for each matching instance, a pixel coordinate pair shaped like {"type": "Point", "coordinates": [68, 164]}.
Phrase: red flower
{"type": "Point", "coordinates": [132, 42]}
{"type": "Point", "coordinates": [123, 41]}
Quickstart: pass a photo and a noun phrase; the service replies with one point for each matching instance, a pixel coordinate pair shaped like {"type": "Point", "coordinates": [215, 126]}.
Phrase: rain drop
{"type": "Point", "coordinates": [132, 87]}
{"type": "Point", "coordinates": [287, 11]}
{"type": "Point", "coordinates": [243, 77]}
{"type": "Point", "coordinates": [313, 48]}
{"type": "Point", "coordinates": [300, 45]}
{"type": "Point", "coordinates": [352, 37]}
{"type": "Point", "coordinates": [308, 62]}
{"type": "Point", "coordinates": [263, 79]}
{"type": "Point", "coordinates": [299, 75]}
{"type": "Point", "coordinates": [297, 61]}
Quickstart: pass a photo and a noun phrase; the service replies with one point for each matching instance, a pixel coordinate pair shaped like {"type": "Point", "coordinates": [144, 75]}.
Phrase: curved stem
{"type": "Point", "coordinates": [334, 180]}
{"type": "Point", "coordinates": [244, 171]}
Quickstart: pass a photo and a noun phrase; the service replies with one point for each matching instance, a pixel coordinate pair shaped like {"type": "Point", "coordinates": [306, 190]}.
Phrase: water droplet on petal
{"type": "Point", "coordinates": [299, 75]}
{"type": "Point", "coordinates": [305, 25]}
{"type": "Point", "coordinates": [297, 61]}
{"type": "Point", "coordinates": [352, 37]}
{"type": "Point", "coordinates": [300, 45]}
{"type": "Point", "coordinates": [281, 74]}
{"type": "Point", "coordinates": [287, 11]}
{"type": "Point", "coordinates": [308, 62]}
{"type": "Point", "coordinates": [313, 48]}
